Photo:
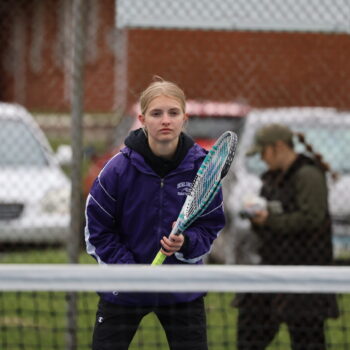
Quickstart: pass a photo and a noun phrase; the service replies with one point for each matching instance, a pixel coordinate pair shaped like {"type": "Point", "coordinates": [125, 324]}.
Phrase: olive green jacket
{"type": "Point", "coordinates": [298, 229]}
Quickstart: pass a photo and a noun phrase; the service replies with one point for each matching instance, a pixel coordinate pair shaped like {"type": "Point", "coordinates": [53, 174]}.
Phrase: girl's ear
{"type": "Point", "coordinates": [141, 119]}
{"type": "Point", "coordinates": [185, 122]}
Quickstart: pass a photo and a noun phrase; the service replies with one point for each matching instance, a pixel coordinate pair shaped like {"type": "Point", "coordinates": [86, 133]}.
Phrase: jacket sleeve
{"type": "Point", "coordinates": [203, 231]}
{"type": "Point", "coordinates": [311, 203]}
{"type": "Point", "coordinates": [101, 230]}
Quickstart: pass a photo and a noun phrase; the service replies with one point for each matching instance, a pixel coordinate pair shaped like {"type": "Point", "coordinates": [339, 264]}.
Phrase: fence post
{"type": "Point", "coordinates": [79, 11]}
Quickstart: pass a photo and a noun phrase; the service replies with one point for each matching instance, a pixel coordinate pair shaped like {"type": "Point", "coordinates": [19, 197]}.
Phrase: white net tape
{"type": "Point", "coordinates": [320, 279]}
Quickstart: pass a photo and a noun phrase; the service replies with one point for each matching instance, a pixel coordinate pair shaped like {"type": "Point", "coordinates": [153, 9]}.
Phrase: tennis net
{"type": "Point", "coordinates": [54, 306]}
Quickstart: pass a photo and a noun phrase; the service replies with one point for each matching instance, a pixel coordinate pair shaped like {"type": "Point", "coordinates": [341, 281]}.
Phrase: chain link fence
{"type": "Point", "coordinates": [71, 73]}
{"type": "Point", "coordinates": [80, 77]}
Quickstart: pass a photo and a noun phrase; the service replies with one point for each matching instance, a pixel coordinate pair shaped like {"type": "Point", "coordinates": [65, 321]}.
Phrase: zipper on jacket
{"type": "Point", "coordinates": [161, 208]}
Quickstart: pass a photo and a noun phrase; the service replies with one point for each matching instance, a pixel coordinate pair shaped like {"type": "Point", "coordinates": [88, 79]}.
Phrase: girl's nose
{"type": "Point", "coordinates": [166, 118]}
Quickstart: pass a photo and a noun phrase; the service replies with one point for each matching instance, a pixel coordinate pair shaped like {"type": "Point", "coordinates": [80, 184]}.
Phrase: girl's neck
{"type": "Point", "coordinates": [164, 150]}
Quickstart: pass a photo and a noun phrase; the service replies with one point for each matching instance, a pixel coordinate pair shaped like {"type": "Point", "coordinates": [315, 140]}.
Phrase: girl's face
{"type": "Point", "coordinates": [164, 120]}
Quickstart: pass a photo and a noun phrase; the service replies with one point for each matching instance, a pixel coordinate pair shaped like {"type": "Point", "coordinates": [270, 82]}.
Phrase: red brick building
{"type": "Point", "coordinates": [303, 67]}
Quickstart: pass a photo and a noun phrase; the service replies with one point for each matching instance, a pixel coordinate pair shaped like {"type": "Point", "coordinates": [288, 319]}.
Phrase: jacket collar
{"type": "Point", "coordinates": [194, 154]}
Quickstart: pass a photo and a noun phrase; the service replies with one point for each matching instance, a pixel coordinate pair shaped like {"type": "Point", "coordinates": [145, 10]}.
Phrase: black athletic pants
{"type": "Point", "coordinates": [184, 325]}
{"type": "Point", "coordinates": [257, 329]}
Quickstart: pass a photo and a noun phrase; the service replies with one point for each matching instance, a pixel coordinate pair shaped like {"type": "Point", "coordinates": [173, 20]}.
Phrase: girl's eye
{"type": "Point", "coordinates": [156, 113]}
{"type": "Point", "coordinates": [174, 113]}
{"type": "Point", "coordinates": [159, 113]}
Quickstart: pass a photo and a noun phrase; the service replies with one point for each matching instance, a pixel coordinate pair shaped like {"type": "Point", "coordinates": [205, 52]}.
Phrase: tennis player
{"type": "Point", "coordinates": [130, 211]}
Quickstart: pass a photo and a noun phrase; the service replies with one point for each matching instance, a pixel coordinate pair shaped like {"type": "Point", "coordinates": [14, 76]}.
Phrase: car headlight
{"type": "Point", "coordinates": [56, 201]}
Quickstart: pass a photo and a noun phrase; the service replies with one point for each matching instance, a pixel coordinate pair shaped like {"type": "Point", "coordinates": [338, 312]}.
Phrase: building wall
{"type": "Point", "coordinates": [35, 55]}
{"type": "Point", "coordinates": [263, 68]}
{"type": "Point", "coordinates": [266, 69]}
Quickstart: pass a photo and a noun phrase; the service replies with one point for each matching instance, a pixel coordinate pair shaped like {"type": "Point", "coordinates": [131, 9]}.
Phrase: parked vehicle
{"type": "Point", "coordinates": [207, 121]}
{"type": "Point", "coordinates": [34, 191]}
{"type": "Point", "coordinates": [328, 130]}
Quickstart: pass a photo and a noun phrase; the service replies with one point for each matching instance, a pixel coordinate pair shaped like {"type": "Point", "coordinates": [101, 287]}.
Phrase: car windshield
{"type": "Point", "coordinates": [212, 127]}
{"type": "Point", "coordinates": [18, 146]}
{"type": "Point", "coordinates": [330, 141]}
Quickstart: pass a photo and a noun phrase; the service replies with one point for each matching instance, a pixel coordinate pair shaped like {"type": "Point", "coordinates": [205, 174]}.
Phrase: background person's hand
{"type": "Point", "coordinates": [260, 217]}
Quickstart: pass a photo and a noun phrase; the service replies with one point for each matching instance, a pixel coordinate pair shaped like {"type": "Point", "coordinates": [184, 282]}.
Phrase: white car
{"type": "Point", "coordinates": [34, 191]}
{"type": "Point", "coordinates": [328, 130]}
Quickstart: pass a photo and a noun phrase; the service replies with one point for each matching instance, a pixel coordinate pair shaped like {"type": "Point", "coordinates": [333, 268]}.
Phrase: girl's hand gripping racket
{"type": "Point", "coordinates": [205, 185]}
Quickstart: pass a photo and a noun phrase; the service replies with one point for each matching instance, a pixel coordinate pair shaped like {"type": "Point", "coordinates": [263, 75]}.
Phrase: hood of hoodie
{"type": "Point", "coordinates": [137, 141]}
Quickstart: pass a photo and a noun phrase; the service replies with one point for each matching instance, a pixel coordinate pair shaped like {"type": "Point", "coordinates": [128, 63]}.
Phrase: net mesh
{"type": "Point", "coordinates": [35, 309]}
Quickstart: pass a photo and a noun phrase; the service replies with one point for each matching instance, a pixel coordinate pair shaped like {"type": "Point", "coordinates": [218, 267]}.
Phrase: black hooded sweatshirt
{"type": "Point", "coordinates": [138, 142]}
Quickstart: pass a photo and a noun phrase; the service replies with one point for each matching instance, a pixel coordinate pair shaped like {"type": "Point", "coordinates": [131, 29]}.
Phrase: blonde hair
{"type": "Point", "coordinates": [161, 87]}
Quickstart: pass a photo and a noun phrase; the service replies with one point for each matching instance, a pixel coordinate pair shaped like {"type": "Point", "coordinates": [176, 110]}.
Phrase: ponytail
{"type": "Point", "coordinates": [317, 156]}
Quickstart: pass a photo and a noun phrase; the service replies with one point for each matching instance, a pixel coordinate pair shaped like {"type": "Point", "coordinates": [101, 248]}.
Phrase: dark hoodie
{"type": "Point", "coordinates": [137, 141]}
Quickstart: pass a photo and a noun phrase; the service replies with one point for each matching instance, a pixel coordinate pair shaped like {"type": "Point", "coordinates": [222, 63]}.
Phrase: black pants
{"type": "Point", "coordinates": [257, 329]}
{"type": "Point", "coordinates": [184, 325]}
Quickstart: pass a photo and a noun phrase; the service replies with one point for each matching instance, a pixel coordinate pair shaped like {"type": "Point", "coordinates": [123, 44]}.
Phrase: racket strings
{"type": "Point", "coordinates": [208, 180]}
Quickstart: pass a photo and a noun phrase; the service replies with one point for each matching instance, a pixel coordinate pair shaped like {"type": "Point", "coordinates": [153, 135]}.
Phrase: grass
{"type": "Point", "coordinates": [38, 320]}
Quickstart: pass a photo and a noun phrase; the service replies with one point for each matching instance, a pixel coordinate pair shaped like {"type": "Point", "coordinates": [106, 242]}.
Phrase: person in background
{"type": "Point", "coordinates": [294, 229]}
{"type": "Point", "coordinates": [130, 212]}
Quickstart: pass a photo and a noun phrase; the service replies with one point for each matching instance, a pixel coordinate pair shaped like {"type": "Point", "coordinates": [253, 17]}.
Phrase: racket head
{"type": "Point", "coordinates": [207, 182]}
{"type": "Point", "coordinates": [187, 221]}
{"type": "Point", "coordinates": [232, 141]}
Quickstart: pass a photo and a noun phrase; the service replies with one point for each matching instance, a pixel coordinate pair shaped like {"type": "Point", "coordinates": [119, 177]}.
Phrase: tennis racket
{"type": "Point", "coordinates": [206, 184]}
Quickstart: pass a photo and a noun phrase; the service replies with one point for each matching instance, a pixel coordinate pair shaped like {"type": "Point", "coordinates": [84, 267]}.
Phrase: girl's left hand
{"type": "Point", "coordinates": [172, 244]}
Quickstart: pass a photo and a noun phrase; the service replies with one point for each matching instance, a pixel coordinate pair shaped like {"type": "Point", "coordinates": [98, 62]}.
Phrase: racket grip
{"type": "Point", "coordinates": [159, 259]}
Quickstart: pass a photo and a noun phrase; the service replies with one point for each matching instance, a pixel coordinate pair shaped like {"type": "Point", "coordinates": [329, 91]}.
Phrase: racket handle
{"type": "Point", "coordinates": [159, 259]}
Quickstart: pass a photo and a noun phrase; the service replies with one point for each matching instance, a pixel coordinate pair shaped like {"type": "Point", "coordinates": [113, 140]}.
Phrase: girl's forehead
{"type": "Point", "coordinates": [163, 101]}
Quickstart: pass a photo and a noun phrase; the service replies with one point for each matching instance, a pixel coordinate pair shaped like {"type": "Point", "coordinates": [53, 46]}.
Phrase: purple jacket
{"type": "Point", "coordinates": [130, 208]}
